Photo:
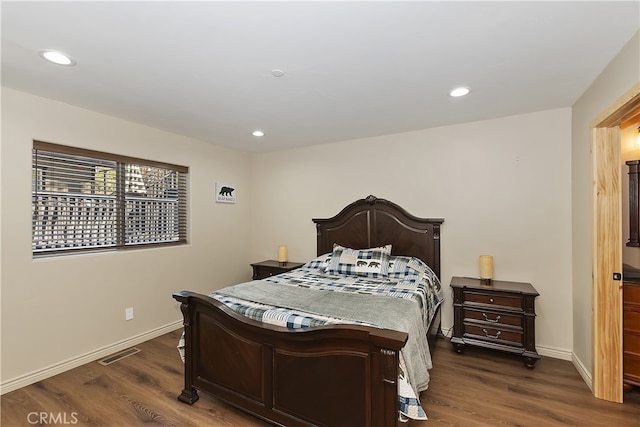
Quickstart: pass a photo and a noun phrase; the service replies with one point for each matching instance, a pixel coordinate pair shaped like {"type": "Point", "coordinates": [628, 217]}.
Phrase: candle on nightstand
{"type": "Point", "coordinates": [486, 268]}
{"type": "Point", "coordinates": [282, 255]}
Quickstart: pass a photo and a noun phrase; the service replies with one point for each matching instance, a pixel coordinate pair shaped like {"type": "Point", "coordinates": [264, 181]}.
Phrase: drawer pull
{"type": "Point", "coordinates": [491, 300]}
{"type": "Point", "coordinates": [495, 337]}
{"type": "Point", "coordinates": [491, 320]}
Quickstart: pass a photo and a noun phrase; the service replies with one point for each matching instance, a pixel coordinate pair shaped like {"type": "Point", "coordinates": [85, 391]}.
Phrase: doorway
{"type": "Point", "coordinates": [607, 246]}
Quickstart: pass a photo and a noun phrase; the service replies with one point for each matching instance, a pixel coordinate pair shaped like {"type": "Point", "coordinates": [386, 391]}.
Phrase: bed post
{"type": "Point", "coordinates": [189, 393]}
{"type": "Point", "coordinates": [389, 366]}
{"type": "Point", "coordinates": [436, 247]}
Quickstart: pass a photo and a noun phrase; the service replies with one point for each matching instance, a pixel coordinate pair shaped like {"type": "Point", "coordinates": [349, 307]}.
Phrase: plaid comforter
{"type": "Point", "coordinates": [409, 279]}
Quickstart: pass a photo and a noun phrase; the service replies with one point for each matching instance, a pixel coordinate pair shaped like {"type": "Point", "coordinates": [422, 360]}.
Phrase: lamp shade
{"type": "Point", "coordinates": [486, 267]}
{"type": "Point", "coordinates": [282, 254]}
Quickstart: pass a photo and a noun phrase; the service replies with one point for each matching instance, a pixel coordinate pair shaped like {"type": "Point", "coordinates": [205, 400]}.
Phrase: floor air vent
{"type": "Point", "coordinates": [118, 356]}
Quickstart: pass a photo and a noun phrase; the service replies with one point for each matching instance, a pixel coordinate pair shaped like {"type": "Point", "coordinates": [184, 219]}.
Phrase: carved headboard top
{"type": "Point", "coordinates": [373, 222]}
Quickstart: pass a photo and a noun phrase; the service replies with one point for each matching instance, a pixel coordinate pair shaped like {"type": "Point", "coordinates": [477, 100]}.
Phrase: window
{"type": "Point", "coordinates": [87, 200]}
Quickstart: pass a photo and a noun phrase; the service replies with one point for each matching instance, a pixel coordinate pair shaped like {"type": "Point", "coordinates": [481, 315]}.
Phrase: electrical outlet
{"type": "Point", "coordinates": [128, 313]}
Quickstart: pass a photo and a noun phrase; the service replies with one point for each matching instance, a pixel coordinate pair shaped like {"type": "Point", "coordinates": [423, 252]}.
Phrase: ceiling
{"type": "Point", "coordinates": [351, 69]}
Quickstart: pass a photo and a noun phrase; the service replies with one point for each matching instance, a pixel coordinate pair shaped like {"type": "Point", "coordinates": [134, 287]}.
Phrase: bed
{"type": "Point", "coordinates": [339, 374]}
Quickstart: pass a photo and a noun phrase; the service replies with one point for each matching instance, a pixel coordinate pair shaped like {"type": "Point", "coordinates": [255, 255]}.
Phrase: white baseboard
{"type": "Point", "coordinates": [556, 353]}
{"type": "Point", "coordinates": [74, 362]}
{"type": "Point", "coordinates": [542, 350]}
{"type": "Point", "coordinates": [447, 332]}
{"type": "Point", "coordinates": [584, 373]}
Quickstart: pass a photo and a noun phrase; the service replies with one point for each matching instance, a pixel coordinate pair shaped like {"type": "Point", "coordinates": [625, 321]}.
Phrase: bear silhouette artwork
{"type": "Point", "coordinates": [226, 191]}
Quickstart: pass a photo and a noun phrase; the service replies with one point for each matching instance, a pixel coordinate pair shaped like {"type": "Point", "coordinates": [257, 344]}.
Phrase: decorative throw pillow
{"type": "Point", "coordinates": [403, 266]}
{"type": "Point", "coordinates": [400, 266]}
{"type": "Point", "coordinates": [319, 263]}
{"type": "Point", "coordinates": [371, 262]}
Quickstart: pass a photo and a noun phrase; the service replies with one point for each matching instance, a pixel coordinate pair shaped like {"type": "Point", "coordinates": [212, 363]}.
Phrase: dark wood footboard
{"type": "Point", "coordinates": [339, 375]}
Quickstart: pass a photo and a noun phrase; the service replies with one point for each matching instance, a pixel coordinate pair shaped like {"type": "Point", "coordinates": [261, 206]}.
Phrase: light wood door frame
{"type": "Point", "coordinates": [607, 246]}
{"type": "Point", "coordinates": [607, 253]}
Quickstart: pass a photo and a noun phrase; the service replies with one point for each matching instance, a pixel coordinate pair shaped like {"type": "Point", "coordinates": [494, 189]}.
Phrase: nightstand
{"type": "Point", "coordinates": [264, 269]}
{"type": "Point", "coordinates": [500, 316]}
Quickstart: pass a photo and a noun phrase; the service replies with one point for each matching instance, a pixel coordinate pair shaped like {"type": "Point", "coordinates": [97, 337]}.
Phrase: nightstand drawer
{"type": "Point", "coordinates": [631, 293]}
{"type": "Point", "coordinates": [631, 366]}
{"type": "Point", "coordinates": [631, 343]}
{"type": "Point", "coordinates": [493, 334]}
{"type": "Point", "coordinates": [264, 269]}
{"type": "Point", "coordinates": [265, 272]}
{"type": "Point", "coordinates": [492, 317]}
{"type": "Point", "coordinates": [631, 320]}
{"type": "Point", "coordinates": [496, 299]}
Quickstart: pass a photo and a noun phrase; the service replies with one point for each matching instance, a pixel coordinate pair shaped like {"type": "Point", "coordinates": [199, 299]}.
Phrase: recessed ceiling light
{"type": "Point", "coordinates": [57, 57]}
{"type": "Point", "coordinates": [257, 133]}
{"type": "Point", "coordinates": [459, 91]}
{"type": "Point", "coordinates": [277, 73]}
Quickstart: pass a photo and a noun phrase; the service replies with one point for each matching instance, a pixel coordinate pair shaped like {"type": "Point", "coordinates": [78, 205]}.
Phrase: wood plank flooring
{"type": "Point", "coordinates": [477, 388]}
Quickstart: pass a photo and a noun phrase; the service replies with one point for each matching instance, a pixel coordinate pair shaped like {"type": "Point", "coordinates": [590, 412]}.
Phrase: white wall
{"type": "Point", "coordinates": [503, 187]}
{"type": "Point", "coordinates": [620, 75]}
{"type": "Point", "coordinates": [59, 309]}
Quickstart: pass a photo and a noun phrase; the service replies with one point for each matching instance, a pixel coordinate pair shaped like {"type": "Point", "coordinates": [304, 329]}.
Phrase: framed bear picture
{"type": "Point", "coordinates": [225, 193]}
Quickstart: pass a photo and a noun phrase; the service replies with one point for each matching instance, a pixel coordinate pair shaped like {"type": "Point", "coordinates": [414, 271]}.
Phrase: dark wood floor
{"type": "Point", "coordinates": [478, 388]}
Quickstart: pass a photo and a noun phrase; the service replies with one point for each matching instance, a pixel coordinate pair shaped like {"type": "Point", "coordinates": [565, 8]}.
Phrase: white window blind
{"type": "Point", "coordinates": [88, 200]}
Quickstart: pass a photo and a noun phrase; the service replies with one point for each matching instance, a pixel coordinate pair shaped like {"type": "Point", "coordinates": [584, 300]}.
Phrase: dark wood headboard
{"type": "Point", "coordinates": [372, 222]}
